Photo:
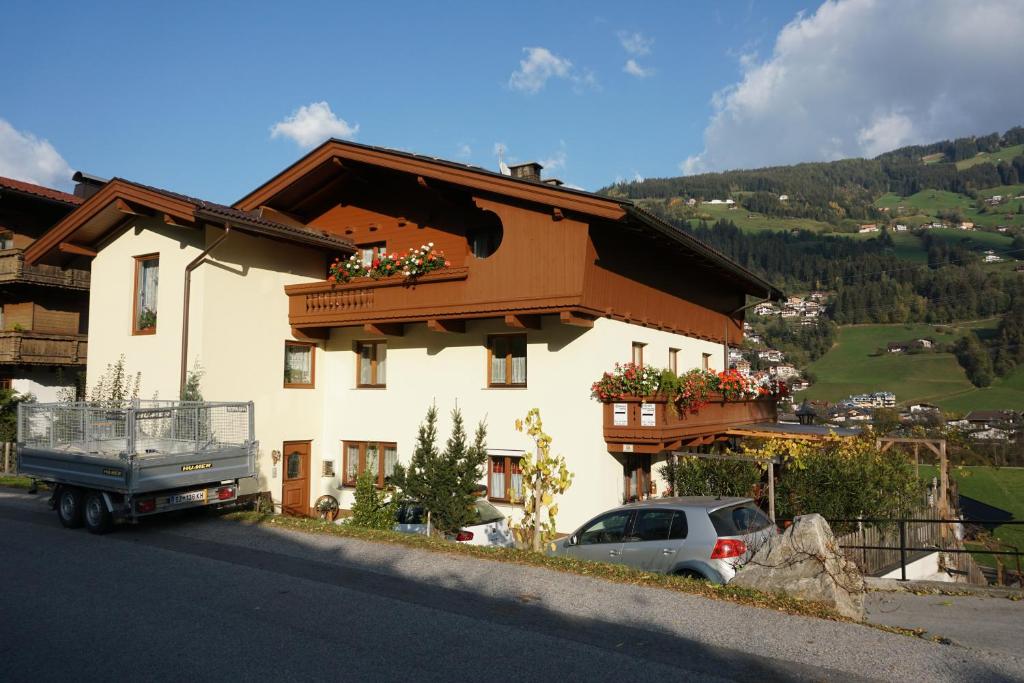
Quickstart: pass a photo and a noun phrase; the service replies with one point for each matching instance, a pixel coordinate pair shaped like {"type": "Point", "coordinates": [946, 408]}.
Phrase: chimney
{"type": "Point", "coordinates": [527, 171]}
{"type": "Point", "coordinates": [87, 185]}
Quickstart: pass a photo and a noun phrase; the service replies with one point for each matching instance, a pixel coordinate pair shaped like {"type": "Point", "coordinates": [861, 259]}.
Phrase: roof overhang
{"type": "Point", "coordinates": [318, 169]}
{"type": "Point", "coordinates": [336, 152]}
{"type": "Point", "coordinates": [120, 200]}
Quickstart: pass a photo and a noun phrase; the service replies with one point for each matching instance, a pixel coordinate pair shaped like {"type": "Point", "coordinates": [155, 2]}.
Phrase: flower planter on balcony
{"type": "Point", "coordinates": [635, 424]}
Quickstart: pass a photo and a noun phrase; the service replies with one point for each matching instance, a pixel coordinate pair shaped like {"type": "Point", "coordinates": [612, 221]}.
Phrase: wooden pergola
{"type": "Point", "coordinates": [936, 446]}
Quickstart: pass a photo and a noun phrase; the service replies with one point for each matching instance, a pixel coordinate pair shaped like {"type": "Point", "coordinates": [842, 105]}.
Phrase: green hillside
{"type": "Point", "coordinates": [1004, 154]}
{"type": "Point", "coordinates": [854, 366]}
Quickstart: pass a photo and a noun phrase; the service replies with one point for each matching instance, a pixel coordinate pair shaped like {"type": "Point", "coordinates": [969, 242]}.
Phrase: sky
{"type": "Point", "coordinates": [212, 99]}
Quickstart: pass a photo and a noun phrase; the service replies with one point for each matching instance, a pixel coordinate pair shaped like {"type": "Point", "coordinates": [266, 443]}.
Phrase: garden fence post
{"type": "Point", "coordinates": [903, 550]}
{"type": "Point", "coordinates": [771, 489]}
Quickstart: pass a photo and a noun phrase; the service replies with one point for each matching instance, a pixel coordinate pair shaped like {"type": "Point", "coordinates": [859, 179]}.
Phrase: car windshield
{"type": "Point", "coordinates": [410, 514]}
{"type": "Point", "coordinates": [487, 513]}
{"type": "Point", "coordinates": [738, 520]}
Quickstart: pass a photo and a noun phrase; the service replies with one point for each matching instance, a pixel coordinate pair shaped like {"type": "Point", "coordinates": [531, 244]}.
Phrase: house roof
{"type": "Point", "coordinates": [559, 196]}
{"type": "Point", "coordinates": [106, 211]}
{"type": "Point", "coordinates": [33, 190]}
{"type": "Point", "coordinates": [990, 415]}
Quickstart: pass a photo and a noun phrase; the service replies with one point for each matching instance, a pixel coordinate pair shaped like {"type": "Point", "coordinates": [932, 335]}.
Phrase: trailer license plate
{"type": "Point", "coordinates": [191, 497]}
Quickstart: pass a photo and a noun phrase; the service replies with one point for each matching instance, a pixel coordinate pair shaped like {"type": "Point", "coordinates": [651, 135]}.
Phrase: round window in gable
{"type": "Point", "coordinates": [485, 237]}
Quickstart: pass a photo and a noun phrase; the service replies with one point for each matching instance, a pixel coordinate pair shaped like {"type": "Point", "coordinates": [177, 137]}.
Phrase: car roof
{"type": "Point", "coordinates": [695, 502]}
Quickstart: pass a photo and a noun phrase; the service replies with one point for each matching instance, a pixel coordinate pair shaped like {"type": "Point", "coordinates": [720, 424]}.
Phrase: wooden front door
{"type": "Point", "coordinates": [295, 487]}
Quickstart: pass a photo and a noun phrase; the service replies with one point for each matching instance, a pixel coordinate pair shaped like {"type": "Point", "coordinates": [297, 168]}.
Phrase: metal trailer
{"type": "Point", "coordinates": [121, 462]}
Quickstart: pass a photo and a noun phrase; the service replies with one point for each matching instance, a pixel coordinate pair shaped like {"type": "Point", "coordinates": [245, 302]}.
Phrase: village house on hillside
{"type": "Point", "coordinates": [519, 294]}
{"type": "Point", "coordinates": [44, 313]}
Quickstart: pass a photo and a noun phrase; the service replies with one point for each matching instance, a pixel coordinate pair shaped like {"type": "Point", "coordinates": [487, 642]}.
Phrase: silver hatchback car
{"type": "Point", "coordinates": [697, 536]}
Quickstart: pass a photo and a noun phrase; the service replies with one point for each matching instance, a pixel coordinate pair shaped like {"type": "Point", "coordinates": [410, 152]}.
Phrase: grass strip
{"type": "Point", "coordinates": [609, 572]}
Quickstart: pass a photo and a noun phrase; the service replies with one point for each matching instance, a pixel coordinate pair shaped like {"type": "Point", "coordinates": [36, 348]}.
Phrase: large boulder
{"type": "Point", "coordinates": [806, 562]}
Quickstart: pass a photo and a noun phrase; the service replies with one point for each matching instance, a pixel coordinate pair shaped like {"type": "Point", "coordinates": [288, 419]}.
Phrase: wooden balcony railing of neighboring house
{"type": "Point", "coordinates": [42, 348]}
{"type": "Point", "coordinates": [649, 425]}
{"type": "Point", "coordinates": [13, 269]}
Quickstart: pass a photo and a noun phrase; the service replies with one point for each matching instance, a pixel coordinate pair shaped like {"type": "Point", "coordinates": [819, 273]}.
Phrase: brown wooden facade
{"type": "Point", "coordinates": [575, 254]}
{"type": "Point", "coordinates": [44, 306]}
{"type": "Point", "coordinates": [673, 429]}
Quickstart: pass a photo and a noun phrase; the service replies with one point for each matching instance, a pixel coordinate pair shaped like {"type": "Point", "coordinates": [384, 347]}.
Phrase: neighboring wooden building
{"type": "Point", "coordinates": [546, 288]}
{"type": "Point", "coordinates": [44, 311]}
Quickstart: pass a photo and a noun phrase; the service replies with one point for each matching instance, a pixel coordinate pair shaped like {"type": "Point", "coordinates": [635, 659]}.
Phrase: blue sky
{"type": "Point", "coordinates": [185, 96]}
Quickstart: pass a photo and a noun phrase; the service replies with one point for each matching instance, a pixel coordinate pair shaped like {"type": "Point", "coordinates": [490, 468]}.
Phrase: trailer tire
{"type": "Point", "coordinates": [98, 519]}
{"type": "Point", "coordinates": [69, 507]}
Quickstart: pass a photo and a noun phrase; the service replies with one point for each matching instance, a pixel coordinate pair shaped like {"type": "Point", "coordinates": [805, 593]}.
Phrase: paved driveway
{"type": "Point", "coordinates": [203, 598]}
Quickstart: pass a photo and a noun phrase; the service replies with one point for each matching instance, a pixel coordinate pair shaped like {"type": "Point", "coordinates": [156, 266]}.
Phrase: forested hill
{"type": "Point", "coordinates": [847, 189]}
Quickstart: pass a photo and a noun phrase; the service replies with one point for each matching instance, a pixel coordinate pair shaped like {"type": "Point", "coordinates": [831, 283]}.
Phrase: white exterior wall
{"type": "Point", "coordinates": [156, 356]}
{"type": "Point", "coordinates": [239, 323]}
{"type": "Point", "coordinates": [44, 384]}
{"type": "Point", "coordinates": [451, 369]}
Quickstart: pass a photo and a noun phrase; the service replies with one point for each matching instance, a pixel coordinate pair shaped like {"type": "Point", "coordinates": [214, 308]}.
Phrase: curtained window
{"type": "Point", "coordinates": [505, 479]}
{"type": "Point", "coordinates": [507, 360]}
{"type": "Point", "coordinates": [372, 357]}
{"type": "Point", "coordinates": [376, 457]}
{"type": "Point", "coordinates": [147, 278]}
{"type": "Point", "coordinates": [299, 365]}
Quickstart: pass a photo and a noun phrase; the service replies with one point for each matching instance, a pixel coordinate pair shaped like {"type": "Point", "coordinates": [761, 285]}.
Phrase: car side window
{"type": "Point", "coordinates": [679, 527]}
{"type": "Point", "coordinates": [652, 525]}
{"type": "Point", "coordinates": [610, 528]}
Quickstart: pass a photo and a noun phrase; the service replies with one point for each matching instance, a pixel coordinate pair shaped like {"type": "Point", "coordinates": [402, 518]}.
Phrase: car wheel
{"type": "Point", "coordinates": [69, 507]}
{"type": "Point", "coordinates": [98, 519]}
{"type": "Point", "coordinates": [691, 574]}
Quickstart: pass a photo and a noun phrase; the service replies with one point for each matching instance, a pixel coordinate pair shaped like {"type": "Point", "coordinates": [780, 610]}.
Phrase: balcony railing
{"type": "Point", "coordinates": [327, 303]}
{"type": "Point", "coordinates": [13, 269]}
{"type": "Point", "coordinates": [650, 425]}
{"type": "Point", "coordinates": [41, 348]}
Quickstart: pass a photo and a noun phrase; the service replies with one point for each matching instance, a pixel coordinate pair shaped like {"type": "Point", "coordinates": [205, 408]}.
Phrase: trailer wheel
{"type": "Point", "coordinates": [69, 507]}
{"type": "Point", "coordinates": [98, 519]}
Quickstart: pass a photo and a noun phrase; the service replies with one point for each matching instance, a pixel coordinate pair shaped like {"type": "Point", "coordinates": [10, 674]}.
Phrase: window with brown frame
{"type": "Point", "coordinates": [6, 383]}
{"type": "Point", "coordinates": [144, 295]}
{"type": "Point", "coordinates": [673, 361]}
{"type": "Point", "coordinates": [368, 252]}
{"type": "Point", "coordinates": [299, 365]}
{"type": "Point", "coordinates": [504, 478]}
{"type": "Point", "coordinates": [638, 353]}
{"type": "Point", "coordinates": [378, 457]}
{"type": "Point", "coordinates": [506, 360]}
{"type": "Point", "coordinates": [705, 361]}
{"type": "Point", "coordinates": [371, 364]}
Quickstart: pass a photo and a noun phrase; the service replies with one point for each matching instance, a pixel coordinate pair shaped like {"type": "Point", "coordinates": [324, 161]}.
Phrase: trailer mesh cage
{"type": "Point", "coordinates": [136, 428]}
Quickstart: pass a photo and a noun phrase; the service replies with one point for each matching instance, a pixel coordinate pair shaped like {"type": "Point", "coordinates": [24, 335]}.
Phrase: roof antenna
{"type": "Point", "coordinates": [502, 166]}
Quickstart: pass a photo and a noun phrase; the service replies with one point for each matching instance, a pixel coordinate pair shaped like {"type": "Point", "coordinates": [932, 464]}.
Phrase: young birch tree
{"type": "Point", "coordinates": [544, 476]}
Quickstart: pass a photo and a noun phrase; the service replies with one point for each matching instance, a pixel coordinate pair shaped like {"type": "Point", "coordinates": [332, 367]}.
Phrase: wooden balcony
{"type": "Point", "coordinates": [649, 425]}
{"type": "Point", "coordinates": [13, 269]}
{"type": "Point", "coordinates": [41, 348]}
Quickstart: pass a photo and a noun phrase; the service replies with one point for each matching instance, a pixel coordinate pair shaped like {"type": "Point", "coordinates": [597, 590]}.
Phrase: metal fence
{"type": "Point", "coordinates": [137, 428]}
{"type": "Point", "coordinates": [882, 545]}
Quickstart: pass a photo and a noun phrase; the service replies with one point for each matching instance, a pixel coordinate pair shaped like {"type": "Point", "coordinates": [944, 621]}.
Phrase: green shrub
{"type": "Point", "coordinates": [693, 476]}
{"type": "Point", "coordinates": [370, 509]}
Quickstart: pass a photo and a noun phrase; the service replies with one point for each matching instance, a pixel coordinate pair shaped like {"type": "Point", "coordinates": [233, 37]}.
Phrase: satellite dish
{"type": "Point", "coordinates": [503, 167]}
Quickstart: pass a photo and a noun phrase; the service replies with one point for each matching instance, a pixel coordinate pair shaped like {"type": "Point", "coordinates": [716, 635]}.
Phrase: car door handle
{"type": "Point", "coordinates": [614, 553]}
{"type": "Point", "coordinates": [668, 551]}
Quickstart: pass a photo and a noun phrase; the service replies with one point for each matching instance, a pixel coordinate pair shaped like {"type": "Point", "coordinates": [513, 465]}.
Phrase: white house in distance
{"type": "Point", "coordinates": [539, 291]}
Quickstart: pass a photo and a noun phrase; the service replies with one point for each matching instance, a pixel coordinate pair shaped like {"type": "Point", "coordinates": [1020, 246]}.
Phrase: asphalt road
{"type": "Point", "coordinates": [202, 598]}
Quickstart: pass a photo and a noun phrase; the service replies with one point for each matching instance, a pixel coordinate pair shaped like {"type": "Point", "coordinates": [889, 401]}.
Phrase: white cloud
{"type": "Point", "coordinates": [312, 124]}
{"type": "Point", "coordinates": [860, 77]}
{"type": "Point", "coordinates": [541, 65]}
{"type": "Point", "coordinates": [634, 69]}
{"type": "Point", "coordinates": [25, 157]}
{"type": "Point", "coordinates": [557, 160]}
{"type": "Point", "coordinates": [635, 43]}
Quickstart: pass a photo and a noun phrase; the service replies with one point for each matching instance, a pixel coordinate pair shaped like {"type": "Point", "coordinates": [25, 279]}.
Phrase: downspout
{"type": "Point", "coordinates": [725, 351]}
{"type": "Point", "coordinates": [193, 264]}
